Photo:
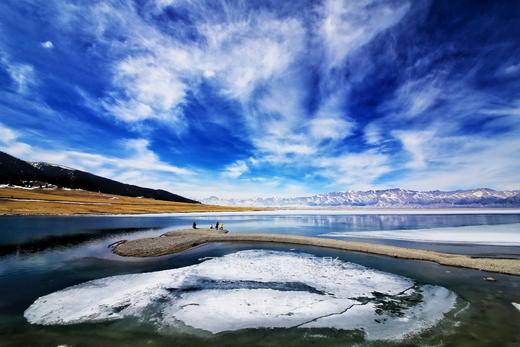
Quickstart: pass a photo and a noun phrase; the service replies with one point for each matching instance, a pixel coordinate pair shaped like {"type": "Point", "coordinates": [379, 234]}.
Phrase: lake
{"type": "Point", "coordinates": [428, 304]}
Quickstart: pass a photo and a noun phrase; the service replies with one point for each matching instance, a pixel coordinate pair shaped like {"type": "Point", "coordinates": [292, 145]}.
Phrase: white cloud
{"type": "Point", "coordinates": [47, 44]}
{"type": "Point", "coordinates": [512, 109]}
{"type": "Point", "coordinates": [150, 90]}
{"type": "Point", "coordinates": [510, 69]}
{"type": "Point", "coordinates": [417, 143]}
{"type": "Point", "coordinates": [141, 166]}
{"type": "Point", "coordinates": [7, 135]}
{"type": "Point", "coordinates": [415, 97]}
{"type": "Point", "coordinates": [236, 169]}
{"type": "Point", "coordinates": [348, 25]}
{"type": "Point", "coordinates": [131, 110]}
{"type": "Point", "coordinates": [16, 148]}
{"type": "Point", "coordinates": [158, 71]}
{"type": "Point", "coordinates": [139, 157]}
{"type": "Point", "coordinates": [265, 47]}
{"type": "Point", "coordinates": [9, 143]}
{"type": "Point", "coordinates": [274, 146]}
{"type": "Point", "coordinates": [355, 170]}
{"type": "Point", "coordinates": [459, 162]}
{"type": "Point", "coordinates": [372, 134]}
{"type": "Point", "coordinates": [22, 75]}
{"type": "Point", "coordinates": [330, 127]}
{"type": "Point", "coordinates": [143, 158]}
{"type": "Point", "coordinates": [208, 73]}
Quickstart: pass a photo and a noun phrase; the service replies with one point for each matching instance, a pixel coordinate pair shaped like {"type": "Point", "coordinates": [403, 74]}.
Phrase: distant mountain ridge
{"type": "Point", "coordinates": [15, 171]}
{"type": "Point", "coordinates": [387, 198]}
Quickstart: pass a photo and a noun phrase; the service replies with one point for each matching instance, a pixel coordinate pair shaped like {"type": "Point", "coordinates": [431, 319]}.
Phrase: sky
{"type": "Point", "coordinates": [266, 98]}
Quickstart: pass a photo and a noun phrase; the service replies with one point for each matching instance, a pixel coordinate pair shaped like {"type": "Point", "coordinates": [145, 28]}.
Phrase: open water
{"type": "Point", "coordinates": [256, 294]}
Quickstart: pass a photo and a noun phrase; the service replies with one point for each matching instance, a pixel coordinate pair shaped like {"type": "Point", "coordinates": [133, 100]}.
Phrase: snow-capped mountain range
{"type": "Point", "coordinates": [387, 198]}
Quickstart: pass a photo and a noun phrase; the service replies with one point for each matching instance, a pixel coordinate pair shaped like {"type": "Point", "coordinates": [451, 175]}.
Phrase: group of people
{"type": "Point", "coordinates": [217, 226]}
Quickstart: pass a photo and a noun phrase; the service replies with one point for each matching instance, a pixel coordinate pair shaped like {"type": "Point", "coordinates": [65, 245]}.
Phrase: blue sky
{"type": "Point", "coordinates": [262, 98]}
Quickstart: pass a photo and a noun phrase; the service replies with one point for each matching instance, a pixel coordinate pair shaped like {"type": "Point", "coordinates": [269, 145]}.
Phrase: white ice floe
{"type": "Point", "coordinates": [517, 306]}
{"type": "Point", "coordinates": [423, 315]}
{"type": "Point", "coordinates": [255, 289]}
{"type": "Point", "coordinates": [501, 234]}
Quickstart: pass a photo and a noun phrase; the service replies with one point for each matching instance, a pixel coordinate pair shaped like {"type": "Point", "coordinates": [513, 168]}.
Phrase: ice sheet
{"type": "Point", "coordinates": [254, 289]}
{"type": "Point", "coordinates": [501, 234]}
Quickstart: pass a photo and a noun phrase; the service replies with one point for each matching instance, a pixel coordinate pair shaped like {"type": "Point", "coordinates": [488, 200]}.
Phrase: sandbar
{"type": "Point", "coordinates": [179, 240]}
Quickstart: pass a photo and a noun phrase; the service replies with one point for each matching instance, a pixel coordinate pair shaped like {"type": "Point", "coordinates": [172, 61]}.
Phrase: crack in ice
{"type": "Point", "coordinates": [327, 315]}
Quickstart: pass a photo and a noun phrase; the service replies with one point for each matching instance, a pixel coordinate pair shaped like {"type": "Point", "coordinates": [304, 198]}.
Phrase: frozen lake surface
{"type": "Point", "coordinates": [498, 235]}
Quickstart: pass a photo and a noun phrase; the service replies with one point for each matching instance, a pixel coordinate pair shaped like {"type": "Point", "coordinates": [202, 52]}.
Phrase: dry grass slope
{"type": "Point", "coordinates": [62, 202]}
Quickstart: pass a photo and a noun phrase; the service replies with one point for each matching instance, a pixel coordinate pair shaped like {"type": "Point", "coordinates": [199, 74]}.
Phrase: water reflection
{"type": "Point", "coordinates": [49, 242]}
{"type": "Point", "coordinates": [22, 235]}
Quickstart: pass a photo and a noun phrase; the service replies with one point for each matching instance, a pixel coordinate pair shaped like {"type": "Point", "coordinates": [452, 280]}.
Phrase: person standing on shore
{"type": "Point", "coordinates": [216, 226]}
{"type": "Point", "coordinates": [222, 226]}
{"type": "Point", "coordinates": [194, 225]}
